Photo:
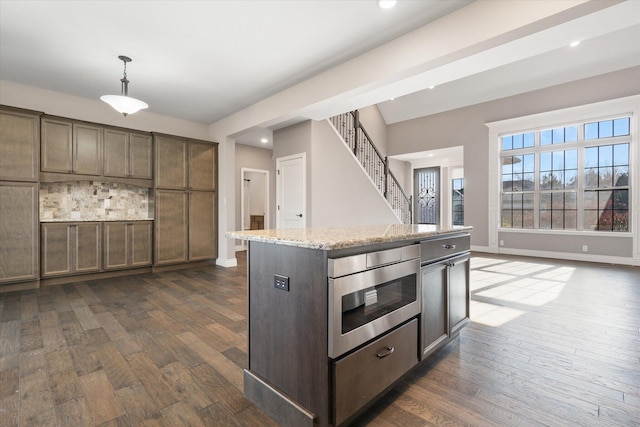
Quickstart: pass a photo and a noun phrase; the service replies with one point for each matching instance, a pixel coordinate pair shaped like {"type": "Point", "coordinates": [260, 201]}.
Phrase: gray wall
{"type": "Point", "coordinates": [466, 127]}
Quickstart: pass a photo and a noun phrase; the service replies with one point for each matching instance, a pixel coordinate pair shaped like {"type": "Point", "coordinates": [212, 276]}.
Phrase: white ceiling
{"type": "Point", "coordinates": [204, 60]}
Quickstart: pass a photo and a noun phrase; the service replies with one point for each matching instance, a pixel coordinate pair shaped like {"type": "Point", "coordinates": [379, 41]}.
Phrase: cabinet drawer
{"type": "Point", "coordinates": [444, 247]}
{"type": "Point", "coordinates": [365, 374]}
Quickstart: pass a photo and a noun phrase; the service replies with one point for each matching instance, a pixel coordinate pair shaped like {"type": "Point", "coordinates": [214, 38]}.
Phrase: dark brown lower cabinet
{"type": "Point", "coordinates": [171, 225]}
{"type": "Point", "coordinates": [127, 244]}
{"type": "Point", "coordinates": [70, 248]}
{"type": "Point", "coordinates": [18, 232]}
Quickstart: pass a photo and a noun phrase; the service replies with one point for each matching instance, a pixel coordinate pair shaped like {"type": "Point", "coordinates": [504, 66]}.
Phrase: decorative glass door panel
{"type": "Point", "coordinates": [426, 184]}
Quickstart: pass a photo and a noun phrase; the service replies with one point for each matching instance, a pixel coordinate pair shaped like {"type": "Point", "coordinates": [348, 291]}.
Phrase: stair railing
{"type": "Point", "coordinates": [357, 139]}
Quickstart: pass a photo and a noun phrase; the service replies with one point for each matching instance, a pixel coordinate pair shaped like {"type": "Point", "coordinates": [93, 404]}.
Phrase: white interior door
{"type": "Point", "coordinates": [291, 191]}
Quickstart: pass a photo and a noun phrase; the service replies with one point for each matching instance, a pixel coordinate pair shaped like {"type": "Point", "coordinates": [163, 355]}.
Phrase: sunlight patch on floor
{"type": "Point", "coordinates": [492, 314]}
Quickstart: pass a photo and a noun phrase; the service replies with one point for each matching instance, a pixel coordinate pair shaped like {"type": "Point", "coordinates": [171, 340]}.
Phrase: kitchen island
{"type": "Point", "coordinates": [337, 315]}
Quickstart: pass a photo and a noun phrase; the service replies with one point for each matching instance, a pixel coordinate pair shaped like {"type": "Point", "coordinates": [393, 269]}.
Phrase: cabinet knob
{"type": "Point", "coordinates": [448, 246]}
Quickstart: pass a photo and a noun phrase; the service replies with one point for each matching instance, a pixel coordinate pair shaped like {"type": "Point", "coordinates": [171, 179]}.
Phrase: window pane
{"type": "Point", "coordinates": [517, 219]}
{"type": "Point", "coordinates": [621, 154]}
{"type": "Point", "coordinates": [517, 164]}
{"type": "Point", "coordinates": [545, 219]}
{"type": "Point", "coordinates": [605, 129]}
{"type": "Point", "coordinates": [527, 181]}
{"type": "Point", "coordinates": [621, 220]}
{"type": "Point", "coordinates": [557, 219]}
{"type": "Point", "coordinates": [558, 160]}
{"type": "Point", "coordinates": [557, 181]}
{"type": "Point", "coordinates": [517, 141]}
{"type": "Point", "coordinates": [506, 218]}
{"type": "Point", "coordinates": [605, 155]}
{"type": "Point", "coordinates": [529, 139]}
{"type": "Point", "coordinates": [571, 179]}
{"type": "Point", "coordinates": [545, 201]}
{"type": "Point", "coordinates": [571, 159]}
{"type": "Point", "coordinates": [621, 176]}
{"type": "Point", "coordinates": [605, 199]}
{"type": "Point", "coordinates": [545, 162]}
{"type": "Point", "coordinates": [591, 200]}
{"type": "Point", "coordinates": [605, 179]}
{"type": "Point", "coordinates": [545, 180]}
{"type": "Point", "coordinates": [591, 131]}
{"type": "Point", "coordinates": [517, 182]}
{"type": "Point", "coordinates": [591, 178]}
{"type": "Point", "coordinates": [570, 200]}
{"type": "Point", "coordinates": [507, 143]}
{"type": "Point", "coordinates": [507, 164]}
{"type": "Point", "coordinates": [557, 201]}
{"type": "Point", "coordinates": [528, 164]}
{"type": "Point", "coordinates": [591, 157]}
{"type": "Point", "coordinates": [621, 127]}
{"type": "Point", "coordinates": [507, 182]}
{"type": "Point", "coordinates": [621, 199]}
{"type": "Point", "coordinates": [605, 219]}
{"type": "Point", "coordinates": [558, 135]}
{"type": "Point", "coordinates": [545, 137]}
{"type": "Point", "coordinates": [570, 219]}
{"type": "Point", "coordinates": [590, 219]}
{"type": "Point", "coordinates": [527, 218]}
{"type": "Point", "coordinates": [571, 133]}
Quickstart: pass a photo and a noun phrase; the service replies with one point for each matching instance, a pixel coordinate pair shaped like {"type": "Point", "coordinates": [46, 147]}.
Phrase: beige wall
{"type": "Point", "coordinates": [376, 127]}
{"type": "Point", "coordinates": [466, 127]}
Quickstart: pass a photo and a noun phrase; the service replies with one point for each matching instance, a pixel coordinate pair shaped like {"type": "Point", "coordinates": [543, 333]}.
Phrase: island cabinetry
{"type": "Point", "coordinates": [70, 147]}
{"type": "Point", "coordinates": [445, 290]}
{"type": "Point", "coordinates": [128, 154]}
{"type": "Point", "coordinates": [70, 248]}
{"type": "Point", "coordinates": [127, 244]}
{"type": "Point", "coordinates": [171, 227]}
{"type": "Point", "coordinates": [19, 145]}
{"type": "Point", "coordinates": [18, 232]}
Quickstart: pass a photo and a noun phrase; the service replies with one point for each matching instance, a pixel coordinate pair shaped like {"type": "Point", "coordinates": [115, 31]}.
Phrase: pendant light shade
{"type": "Point", "coordinates": [123, 103]}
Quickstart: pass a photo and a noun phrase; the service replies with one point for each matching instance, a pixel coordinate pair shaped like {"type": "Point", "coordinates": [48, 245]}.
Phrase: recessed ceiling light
{"type": "Point", "coordinates": [431, 87]}
{"type": "Point", "coordinates": [264, 140]}
{"type": "Point", "coordinates": [391, 99]}
{"type": "Point", "coordinates": [386, 4]}
{"type": "Point", "coordinates": [574, 43]}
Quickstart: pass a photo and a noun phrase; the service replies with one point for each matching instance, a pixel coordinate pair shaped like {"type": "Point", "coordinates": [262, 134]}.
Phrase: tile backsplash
{"type": "Point", "coordinates": [94, 201]}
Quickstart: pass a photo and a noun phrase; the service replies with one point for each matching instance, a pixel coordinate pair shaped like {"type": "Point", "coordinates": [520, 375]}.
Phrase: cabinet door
{"type": "Point", "coordinates": [87, 142]}
{"type": "Point", "coordinates": [18, 231]}
{"type": "Point", "coordinates": [202, 165]}
{"type": "Point", "coordinates": [171, 227]}
{"type": "Point", "coordinates": [202, 228]}
{"type": "Point", "coordinates": [56, 146]}
{"type": "Point", "coordinates": [458, 293]}
{"type": "Point", "coordinates": [141, 156]}
{"type": "Point", "coordinates": [140, 238]}
{"type": "Point", "coordinates": [56, 243]}
{"type": "Point", "coordinates": [19, 146]}
{"type": "Point", "coordinates": [116, 245]}
{"type": "Point", "coordinates": [171, 162]}
{"type": "Point", "coordinates": [88, 247]}
{"type": "Point", "coordinates": [435, 315]}
{"type": "Point", "coordinates": [116, 153]}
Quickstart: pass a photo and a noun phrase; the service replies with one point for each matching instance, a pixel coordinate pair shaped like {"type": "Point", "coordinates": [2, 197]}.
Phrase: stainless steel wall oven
{"type": "Point", "coordinates": [371, 293]}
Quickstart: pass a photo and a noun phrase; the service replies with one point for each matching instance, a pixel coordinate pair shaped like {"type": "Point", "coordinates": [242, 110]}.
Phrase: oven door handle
{"type": "Point", "coordinates": [385, 353]}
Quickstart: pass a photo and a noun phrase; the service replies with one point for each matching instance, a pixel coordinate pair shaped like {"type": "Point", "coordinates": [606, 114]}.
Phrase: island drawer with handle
{"type": "Point", "coordinates": [444, 247]}
{"type": "Point", "coordinates": [365, 374]}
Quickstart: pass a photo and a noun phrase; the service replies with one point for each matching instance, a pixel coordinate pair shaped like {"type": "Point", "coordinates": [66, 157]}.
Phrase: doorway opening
{"type": "Point", "coordinates": [254, 196]}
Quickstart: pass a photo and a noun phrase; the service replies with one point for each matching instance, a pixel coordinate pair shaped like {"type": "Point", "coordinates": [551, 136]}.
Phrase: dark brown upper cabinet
{"type": "Point", "coordinates": [71, 147]}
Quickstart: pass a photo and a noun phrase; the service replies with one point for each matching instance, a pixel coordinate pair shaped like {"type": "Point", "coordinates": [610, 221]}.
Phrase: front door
{"type": "Point", "coordinates": [291, 191]}
{"type": "Point", "coordinates": [426, 190]}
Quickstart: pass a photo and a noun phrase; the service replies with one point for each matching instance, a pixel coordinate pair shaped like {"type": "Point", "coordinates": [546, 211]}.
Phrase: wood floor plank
{"type": "Point", "coordinates": [9, 382]}
{"type": "Point", "coordinates": [65, 385]}
{"type": "Point", "coordinates": [74, 412]}
{"type": "Point", "coordinates": [181, 414]}
{"type": "Point", "coordinates": [151, 378]}
{"type": "Point", "coordinates": [100, 396]}
{"type": "Point", "coordinates": [86, 317]}
{"type": "Point", "coordinates": [137, 403]}
{"type": "Point", "coordinates": [115, 367]}
{"type": "Point", "coordinates": [9, 415]}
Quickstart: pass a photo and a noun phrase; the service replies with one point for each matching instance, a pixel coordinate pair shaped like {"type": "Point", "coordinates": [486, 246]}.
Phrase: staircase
{"type": "Point", "coordinates": [377, 167]}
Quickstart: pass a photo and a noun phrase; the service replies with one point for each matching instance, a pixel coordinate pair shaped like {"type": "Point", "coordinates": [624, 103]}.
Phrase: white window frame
{"type": "Point", "coordinates": [628, 106]}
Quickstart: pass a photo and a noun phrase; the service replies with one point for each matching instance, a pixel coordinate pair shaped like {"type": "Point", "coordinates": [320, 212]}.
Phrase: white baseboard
{"type": "Point", "coordinates": [227, 262]}
{"type": "Point", "coordinates": [603, 259]}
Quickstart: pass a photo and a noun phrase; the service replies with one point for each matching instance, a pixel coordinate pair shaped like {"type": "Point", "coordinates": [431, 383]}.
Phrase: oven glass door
{"type": "Point", "coordinates": [365, 305]}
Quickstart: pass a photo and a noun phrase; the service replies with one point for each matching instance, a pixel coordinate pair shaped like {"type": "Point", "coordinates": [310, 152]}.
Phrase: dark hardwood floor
{"type": "Point", "coordinates": [550, 343]}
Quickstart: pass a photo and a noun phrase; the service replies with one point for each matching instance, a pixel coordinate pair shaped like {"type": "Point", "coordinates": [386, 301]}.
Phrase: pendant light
{"type": "Point", "coordinates": [123, 103]}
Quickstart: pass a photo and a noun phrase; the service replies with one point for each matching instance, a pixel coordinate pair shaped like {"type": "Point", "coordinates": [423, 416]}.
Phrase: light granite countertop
{"type": "Point", "coordinates": [332, 238]}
